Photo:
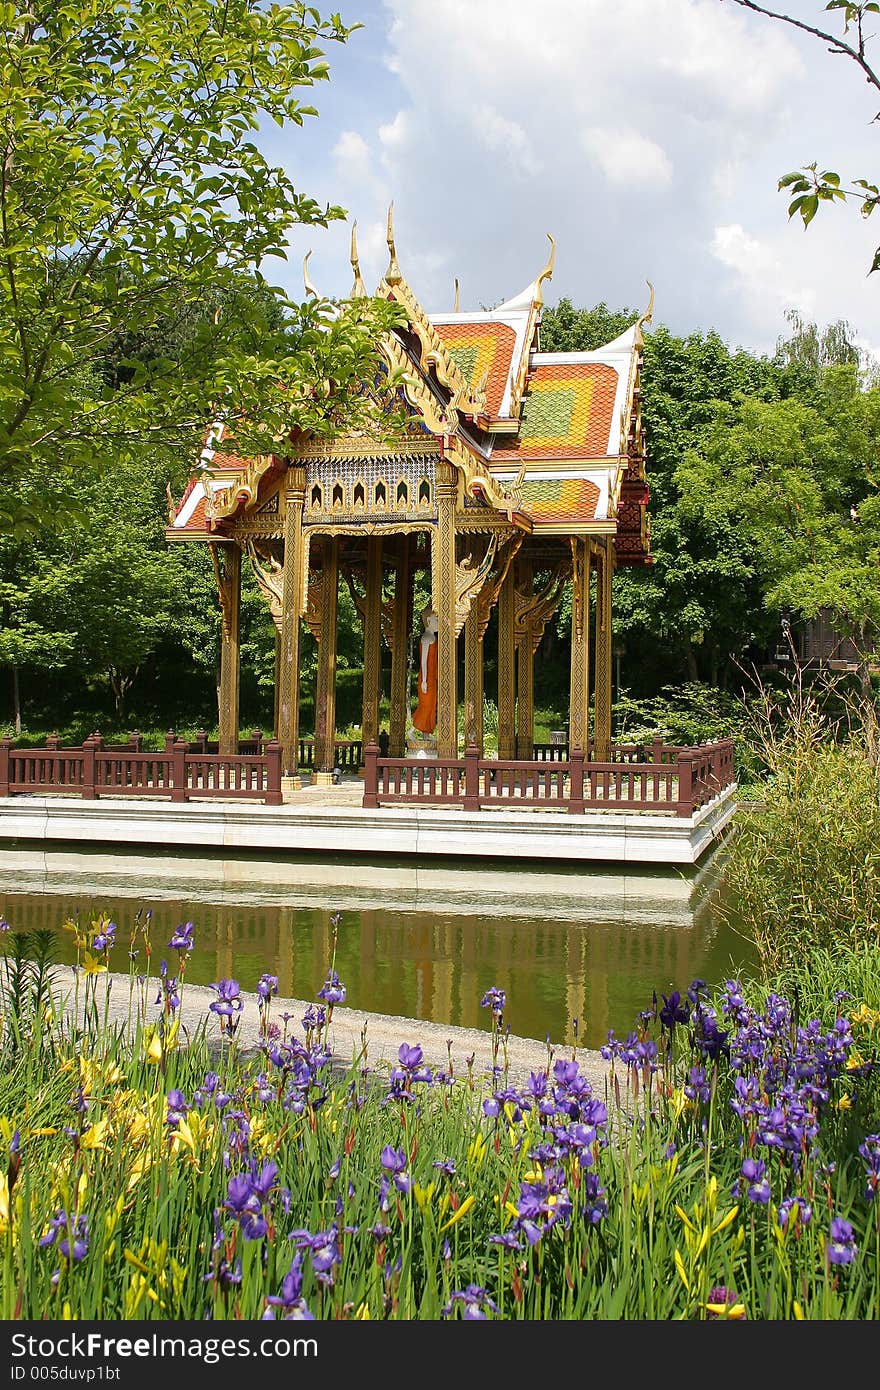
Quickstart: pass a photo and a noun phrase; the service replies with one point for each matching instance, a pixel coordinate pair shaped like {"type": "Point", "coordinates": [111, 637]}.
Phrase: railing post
{"type": "Point", "coordinates": [178, 770]}
{"type": "Point", "coordinates": [257, 736]}
{"type": "Point", "coordinates": [472, 778]}
{"type": "Point", "coordinates": [89, 790]}
{"type": "Point", "coordinates": [170, 740]}
{"type": "Point", "coordinates": [134, 741]}
{"type": "Point", "coordinates": [685, 765]}
{"type": "Point", "coordinates": [657, 750]}
{"type": "Point", "coordinates": [371, 776]}
{"type": "Point", "coordinates": [576, 788]}
{"type": "Point", "coordinates": [53, 742]}
{"type": "Point", "coordinates": [5, 746]}
{"type": "Point", "coordinates": [272, 754]}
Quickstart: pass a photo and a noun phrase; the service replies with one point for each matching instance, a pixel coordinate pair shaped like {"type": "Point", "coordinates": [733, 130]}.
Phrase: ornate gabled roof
{"type": "Point", "coordinates": [552, 439]}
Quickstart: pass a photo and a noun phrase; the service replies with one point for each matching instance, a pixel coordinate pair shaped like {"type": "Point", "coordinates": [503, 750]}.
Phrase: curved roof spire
{"type": "Point", "coordinates": [392, 274]}
{"type": "Point", "coordinates": [546, 273]}
{"type": "Point", "coordinates": [457, 305]}
{"type": "Point", "coordinates": [648, 315]}
{"type": "Point", "coordinates": [309, 287]}
{"type": "Point", "coordinates": [358, 289]}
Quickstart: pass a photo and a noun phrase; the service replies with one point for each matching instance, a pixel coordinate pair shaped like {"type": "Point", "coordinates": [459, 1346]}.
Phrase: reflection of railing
{"type": "Point", "coordinates": [675, 780]}
{"type": "Point", "coordinates": [182, 771]}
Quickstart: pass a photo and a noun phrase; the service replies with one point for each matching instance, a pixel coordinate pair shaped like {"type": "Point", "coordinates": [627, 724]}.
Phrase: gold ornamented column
{"type": "Point", "coordinates": [372, 638]}
{"type": "Point", "coordinates": [525, 665]}
{"type": "Point", "coordinates": [579, 704]}
{"type": "Point", "coordinates": [506, 667]}
{"type": "Point", "coordinates": [604, 572]}
{"type": "Point", "coordinates": [473, 678]}
{"type": "Point", "coordinates": [325, 696]}
{"type": "Point", "coordinates": [287, 693]}
{"type": "Point", "coordinates": [443, 592]}
{"type": "Point", "coordinates": [228, 576]}
{"type": "Point", "coordinates": [400, 653]}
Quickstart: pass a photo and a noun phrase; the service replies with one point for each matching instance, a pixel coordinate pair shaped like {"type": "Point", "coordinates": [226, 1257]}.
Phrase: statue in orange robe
{"type": "Point", "coordinates": [425, 715]}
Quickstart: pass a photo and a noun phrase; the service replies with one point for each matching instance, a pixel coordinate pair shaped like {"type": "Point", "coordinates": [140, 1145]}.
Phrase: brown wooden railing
{"type": "Point", "coordinates": [182, 771]}
{"type": "Point", "coordinates": [674, 780]}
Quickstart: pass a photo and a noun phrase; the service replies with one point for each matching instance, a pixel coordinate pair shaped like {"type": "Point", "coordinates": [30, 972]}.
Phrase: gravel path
{"type": "Point", "coordinates": [350, 1030]}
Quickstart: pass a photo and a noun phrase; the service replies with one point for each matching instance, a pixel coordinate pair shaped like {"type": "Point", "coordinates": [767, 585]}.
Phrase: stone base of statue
{"type": "Point", "coordinates": [419, 745]}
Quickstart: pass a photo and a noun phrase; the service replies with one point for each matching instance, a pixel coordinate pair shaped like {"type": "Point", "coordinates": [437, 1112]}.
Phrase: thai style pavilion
{"type": "Point", "coordinates": [519, 474]}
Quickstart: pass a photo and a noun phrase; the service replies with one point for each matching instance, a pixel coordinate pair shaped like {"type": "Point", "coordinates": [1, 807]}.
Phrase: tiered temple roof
{"type": "Point", "coordinates": [554, 439]}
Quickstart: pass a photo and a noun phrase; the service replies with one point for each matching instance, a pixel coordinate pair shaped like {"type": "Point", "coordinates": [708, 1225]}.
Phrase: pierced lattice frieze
{"type": "Point", "coordinates": [349, 489]}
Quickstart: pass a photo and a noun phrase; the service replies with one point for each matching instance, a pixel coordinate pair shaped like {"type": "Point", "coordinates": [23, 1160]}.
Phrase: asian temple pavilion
{"type": "Point", "coordinates": [520, 474]}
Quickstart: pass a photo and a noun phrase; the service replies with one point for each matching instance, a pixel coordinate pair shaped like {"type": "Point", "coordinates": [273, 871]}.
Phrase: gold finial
{"type": "Point", "coordinates": [648, 315]}
{"type": "Point", "coordinates": [392, 274]}
{"type": "Point", "coordinates": [310, 289]}
{"type": "Point", "coordinates": [358, 289]}
{"type": "Point", "coordinates": [546, 272]}
{"type": "Point", "coordinates": [455, 307]}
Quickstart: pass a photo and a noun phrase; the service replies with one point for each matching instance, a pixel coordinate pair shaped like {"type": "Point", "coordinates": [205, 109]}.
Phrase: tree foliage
{"type": "Point", "coordinates": [132, 194]}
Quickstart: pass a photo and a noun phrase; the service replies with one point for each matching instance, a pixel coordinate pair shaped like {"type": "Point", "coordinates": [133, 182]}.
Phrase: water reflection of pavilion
{"type": "Point", "coordinates": [572, 944]}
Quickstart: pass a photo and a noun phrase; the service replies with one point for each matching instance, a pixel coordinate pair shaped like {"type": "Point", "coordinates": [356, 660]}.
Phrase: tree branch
{"type": "Point", "coordinates": [836, 45]}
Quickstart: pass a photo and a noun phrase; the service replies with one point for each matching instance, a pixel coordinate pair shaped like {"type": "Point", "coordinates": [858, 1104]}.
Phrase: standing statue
{"type": "Point", "coordinates": [425, 715]}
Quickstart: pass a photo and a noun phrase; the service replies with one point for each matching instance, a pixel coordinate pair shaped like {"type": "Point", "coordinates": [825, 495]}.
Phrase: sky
{"type": "Point", "coordinates": [646, 136]}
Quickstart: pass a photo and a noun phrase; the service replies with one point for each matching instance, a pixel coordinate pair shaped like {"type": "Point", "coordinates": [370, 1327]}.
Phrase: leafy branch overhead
{"type": "Point", "coordinates": [808, 187]}
{"type": "Point", "coordinates": [134, 196]}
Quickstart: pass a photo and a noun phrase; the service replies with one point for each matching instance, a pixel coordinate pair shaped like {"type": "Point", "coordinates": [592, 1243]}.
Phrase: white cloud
{"type": "Point", "coordinates": [625, 156]}
{"type": "Point", "coordinates": [352, 155]}
{"type": "Point", "coordinates": [647, 135]}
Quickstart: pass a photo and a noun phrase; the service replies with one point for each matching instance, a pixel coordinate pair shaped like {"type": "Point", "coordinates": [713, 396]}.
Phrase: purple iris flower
{"type": "Point", "coordinates": [332, 991]}
{"type": "Point", "coordinates": [494, 999]}
{"type": "Point", "coordinates": [291, 1301]}
{"type": "Point", "coordinates": [869, 1150]}
{"type": "Point", "coordinates": [673, 1011]}
{"type": "Point", "coordinates": [841, 1247]}
{"type": "Point", "coordinates": [59, 1234]}
{"type": "Point", "coordinates": [794, 1212]}
{"type": "Point", "coordinates": [106, 937]}
{"type": "Point", "coordinates": [229, 1000]}
{"type": "Point", "coordinates": [267, 985]}
{"type": "Point", "coordinates": [393, 1160]}
{"type": "Point", "coordinates": [757, 1186]}
{"type": "Point", "coordinates": [177, 1108]}
{"type": "Point", "coordinates": [409, 1057]}
{"type": "Point", "coordinates": [325, 1251]}
{"type": "Point", "coordinates": [182, 939]}
{"type": "Point", "coordinates": [474, 1301]}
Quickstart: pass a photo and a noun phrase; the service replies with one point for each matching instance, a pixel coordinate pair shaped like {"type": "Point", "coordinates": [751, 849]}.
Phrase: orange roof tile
{"type": "Point", "coordinates": [478, 348]}
{"type": "Point", "coordinates": [557, 500]}
{"type": "Point", "coordinates": [567, 413]}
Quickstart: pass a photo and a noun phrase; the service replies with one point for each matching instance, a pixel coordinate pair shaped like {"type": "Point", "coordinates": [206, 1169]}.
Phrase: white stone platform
{"type": "Point", "coordinates": [331, 819]}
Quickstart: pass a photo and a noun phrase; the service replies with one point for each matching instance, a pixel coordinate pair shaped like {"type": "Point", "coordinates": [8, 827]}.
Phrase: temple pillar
{"type": "Point", "coordinates": [400, 652]}
{"type": "Point", "coordinates": [579, 699]}
{"type": "Point", "coordinates": [372, 639]}
{"type": "Point", "coordinates": [506, 667]}
{"type": "Point", "coordinates": [525, 672]}
{"type": "Point", "coordinates": [228, 576]}
{"type": "Point", "coordinates": [443, 598]}
{"type": "Point", "coordinates": [602, 714]}
{"type": "Point", "coordinates": [325, 695]}
{"type": "Point", "coordinates": [473, 679]}
{"type": "Point", "coordinates": [287, 667]}
{"type": "Point", "coordinates": [276, 685]}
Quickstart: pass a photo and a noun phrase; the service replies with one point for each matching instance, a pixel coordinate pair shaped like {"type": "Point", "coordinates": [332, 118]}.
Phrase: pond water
{"type": "Point", "coordinates": [420, 940]}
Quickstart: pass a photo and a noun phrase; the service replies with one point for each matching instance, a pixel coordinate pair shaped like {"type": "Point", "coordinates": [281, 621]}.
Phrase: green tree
{"type": "Point", "coordinates": [809, 186]}
{"type": "Point", "coordinates": [132, 193]}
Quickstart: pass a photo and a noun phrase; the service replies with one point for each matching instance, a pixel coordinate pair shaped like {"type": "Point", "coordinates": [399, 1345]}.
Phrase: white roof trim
{"type": "Point", "coordinates": [189, 506]}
